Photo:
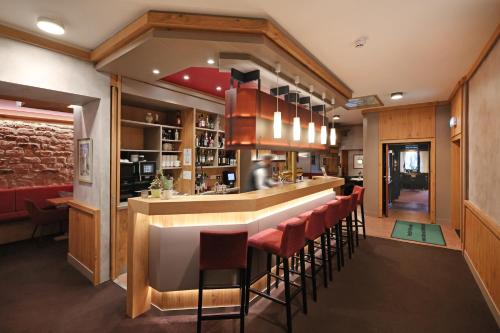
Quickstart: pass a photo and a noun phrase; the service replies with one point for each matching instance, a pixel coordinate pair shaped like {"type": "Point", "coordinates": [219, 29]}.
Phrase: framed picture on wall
{"type": "Point", "coordinates": [85, 160]}
{"type": "Point", "coordinates": [358, 162]}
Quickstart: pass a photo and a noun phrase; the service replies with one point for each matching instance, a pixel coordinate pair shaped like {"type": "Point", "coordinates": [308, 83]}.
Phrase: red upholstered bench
{"type": "Point", "coordinates": [12, 206]}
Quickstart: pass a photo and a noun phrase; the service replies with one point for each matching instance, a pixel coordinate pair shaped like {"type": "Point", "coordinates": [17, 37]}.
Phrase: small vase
{"type": "Point", "coordinates": [155, 193]}
{"type": "Point", "coordinates": [149, 117]}
{"type": "Point", "coordinates": [167, 194]}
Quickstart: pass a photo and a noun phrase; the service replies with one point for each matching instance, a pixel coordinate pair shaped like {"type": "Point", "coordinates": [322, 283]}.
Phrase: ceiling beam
{"type": "Point", "coordinates": [43, 42]}
{"type": "Point", "coordinates": [403, 107]}
{"type": "Point", "coordinates": [214, 23]}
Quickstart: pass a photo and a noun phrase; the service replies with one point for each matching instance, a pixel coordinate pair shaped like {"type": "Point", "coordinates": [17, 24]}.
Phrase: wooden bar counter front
{"type": "Point", "coordinates": [163, 240]}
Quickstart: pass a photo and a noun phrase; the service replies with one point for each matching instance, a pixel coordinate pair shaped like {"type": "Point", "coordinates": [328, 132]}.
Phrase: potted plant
{"type": "Point", "coordinates": [168, 187]}
{"type": "Point", "coordinates": [155, 187]}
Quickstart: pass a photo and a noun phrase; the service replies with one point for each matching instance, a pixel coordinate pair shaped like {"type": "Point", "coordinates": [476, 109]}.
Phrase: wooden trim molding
{"type": "Point", "coordinates": [482, 249]}
{"type": "Point", "coordinates": [402, 107]}
{"type": "Point", "coordinates": [46, 43]}
{"type": "Point", "coordinates": [216, 23]}
{"type": "Point", "coordinates": [49, 118]}
{"type": "Point", "coordinates": [85, 240]}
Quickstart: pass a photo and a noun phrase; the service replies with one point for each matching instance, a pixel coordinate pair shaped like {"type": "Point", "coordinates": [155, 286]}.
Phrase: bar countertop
{"type": "Point", "coordinates": [243, 202]}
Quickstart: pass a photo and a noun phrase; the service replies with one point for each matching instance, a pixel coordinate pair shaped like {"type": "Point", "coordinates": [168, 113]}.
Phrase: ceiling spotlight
{"type": "Point", "coordinates": [210, 61]}
{"type": "Point", "coordinates": [397, 95]}
{"type": "Point", "coordinates": [50, 26]}
{"type": "Point", "coordinates": [19, 104]}
{"type": "Point", "coordinates": [156, 71]}
{"type": "Point", "coordinates": [186, 77]}
{"type": "Point", "coordinates": [219, 88]}
{"type": "Point", "coordinates": [360, 42]}
{"type": "Point", "coordinates": [336, 117]}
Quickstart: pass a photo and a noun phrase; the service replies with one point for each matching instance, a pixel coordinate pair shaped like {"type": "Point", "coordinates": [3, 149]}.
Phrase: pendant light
{"type": "Point", "coordinates": [333, 132]}
{"type": "Point", "coordinates": [323, 136]}
{"type": "Point", "coordinates": [296, 119]}
{"type": "Point", "coordinates": [310, 130]}
{"type": "Point", "coordinates": [277, 113]}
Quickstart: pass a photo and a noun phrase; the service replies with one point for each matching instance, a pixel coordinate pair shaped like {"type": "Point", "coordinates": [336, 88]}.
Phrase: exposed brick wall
{"type": "Point", "coordinates": [35, 153]}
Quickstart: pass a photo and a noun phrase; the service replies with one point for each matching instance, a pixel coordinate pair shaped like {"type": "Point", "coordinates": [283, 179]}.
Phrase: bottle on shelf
{"type": "Point", "coordinates": [205, 140]}
{"type": "Point", "coordinates": [178, 120]}
{"type": "Point", "coordinates": [176, 135]}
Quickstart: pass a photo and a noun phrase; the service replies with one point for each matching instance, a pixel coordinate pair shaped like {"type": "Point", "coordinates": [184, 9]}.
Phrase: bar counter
{"type": "Point", "coordinates": [163, 239]}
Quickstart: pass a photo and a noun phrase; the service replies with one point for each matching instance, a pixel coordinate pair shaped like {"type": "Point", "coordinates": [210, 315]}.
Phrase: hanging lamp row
{"type": "Point", "coordinates": [311, 131]}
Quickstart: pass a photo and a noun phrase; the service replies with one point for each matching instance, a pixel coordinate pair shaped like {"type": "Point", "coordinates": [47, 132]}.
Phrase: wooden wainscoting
{"type": "Point", "coordinates": [120, 242]}
{"type": "Point", "coordinates": [85, 240]}
{"type": "Point", "coordinates": [482, 252]}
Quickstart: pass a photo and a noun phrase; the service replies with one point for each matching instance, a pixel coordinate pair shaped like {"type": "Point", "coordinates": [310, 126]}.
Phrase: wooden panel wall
{"type": "Point", "coordinates": [482, 247]}
{"type": "Point", "coordinates": [456, 188]}
{"type": "Point", "coordinates": [456, 111]}
{"type": "Point", "coordinates": [415, 122]}
{"type": "Point", "coordinates": [120, 244]}
{"type": "Point", "coordinates": [84, 238]}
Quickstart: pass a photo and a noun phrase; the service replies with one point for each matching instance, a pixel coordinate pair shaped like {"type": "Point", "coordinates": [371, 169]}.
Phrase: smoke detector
{"type": "Point", "coordinates": [360, 42]}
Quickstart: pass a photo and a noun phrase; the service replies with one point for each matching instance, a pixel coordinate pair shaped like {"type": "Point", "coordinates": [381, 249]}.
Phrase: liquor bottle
{"type": "Point", "coordinates": [196, 141]}
{"type": "Point", "coordinates": [205, 140]}
{"type": "Point", "coordinates": [176, 135]}
{"type": "Point", "coordinates": [201, 123]}
{"type": "Point", "coordinates": [179, 119]}
{"type": "Point", "coordinates": [208, 122]}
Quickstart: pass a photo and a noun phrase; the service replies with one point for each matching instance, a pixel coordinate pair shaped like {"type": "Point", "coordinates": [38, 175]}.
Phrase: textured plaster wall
{"type": "Point", "coordinates": [370, 162]}
{"type": "Point", "coordinates": [484, 136]}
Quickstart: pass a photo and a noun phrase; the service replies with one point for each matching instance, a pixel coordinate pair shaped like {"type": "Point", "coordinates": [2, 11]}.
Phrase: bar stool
{"type": "Point", "coordinates": [332, 222]}
{"type": "Point", "coordinates": [283, 243]}
{"type": "Point", "coordinates": [360, 191]}
{"type": "Point", "coordinates": [223, 250]}
{"type": "Point", "coordinates": [315, 228]}
{"type": "Point", "coordinates": [346, 215]}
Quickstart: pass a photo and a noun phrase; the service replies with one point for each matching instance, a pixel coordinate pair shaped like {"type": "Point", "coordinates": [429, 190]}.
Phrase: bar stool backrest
{"type": "Point", "coordinates": [223, 249]}
{"type": "Point", "coordinates": [345, 204]}
{"type": "Point", "coordinates": [333, 214]}
{"type": "Point", "coordinates": [353, 202]}
{"type": "Point", "coordinates": [315, 225]}
{"type": "Point", "coordinates": [360, 191]}
{"type": "Point", "coordinates": [293, 238]}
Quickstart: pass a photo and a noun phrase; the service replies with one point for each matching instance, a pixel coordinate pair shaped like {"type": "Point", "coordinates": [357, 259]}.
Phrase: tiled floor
{"type": "Point", "coordinates": [382, 227]}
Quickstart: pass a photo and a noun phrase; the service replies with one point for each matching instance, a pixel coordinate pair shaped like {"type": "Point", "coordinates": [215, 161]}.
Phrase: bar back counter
{"type": "Point", "coordinates": [163, 238]}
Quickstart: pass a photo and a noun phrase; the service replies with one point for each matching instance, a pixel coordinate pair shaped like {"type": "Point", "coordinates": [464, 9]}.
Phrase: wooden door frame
{"type": "Point", "coordinates": [432, 172]}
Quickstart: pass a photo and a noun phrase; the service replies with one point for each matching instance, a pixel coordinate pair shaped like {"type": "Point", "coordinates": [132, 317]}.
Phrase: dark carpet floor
{"type": "Point", "coordinates": [388, 286]}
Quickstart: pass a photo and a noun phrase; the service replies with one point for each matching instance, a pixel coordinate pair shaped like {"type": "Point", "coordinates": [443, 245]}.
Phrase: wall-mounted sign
{"type": "Point", "coordinates": [187, 156]}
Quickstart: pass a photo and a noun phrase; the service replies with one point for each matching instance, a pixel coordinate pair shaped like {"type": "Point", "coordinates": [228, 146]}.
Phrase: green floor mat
{"type": "Point", "coordinates": [418, 232]}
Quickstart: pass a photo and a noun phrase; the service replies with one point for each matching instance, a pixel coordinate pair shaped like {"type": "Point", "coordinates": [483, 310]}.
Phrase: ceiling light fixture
{"type": "Point", "coordinates": [296, 119]}
{"type": "Point", "coordinates": [19, 104]}
{"type": "Point", "coordinates": [310, 129]}
{"type": "Point", "coordinates": [156, 71]}
{"type": "Point", "coordinates": [210, 61]}
{"type": "Point", "coordinates": [360, 42]}
{"type": "Point", "coordinates": [218, 88]}
{"type": "Point", "coordinates": [397, 95]}
{"type": "Point", "coordinates": [323, 136]}
{"type": "Point", "coordinates": [50, 26]}
{"type": "Point", "coordinates": [185, 77]}
{"type": "Point", "coordinates": [277, 113]}
{"type": "Point", "coordinates": [333, 132]}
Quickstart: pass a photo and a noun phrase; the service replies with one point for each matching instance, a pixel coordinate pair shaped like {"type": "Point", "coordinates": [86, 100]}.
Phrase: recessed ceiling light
{"type": "Point", "coordinates": [19, 104]}
{"type": "Point", "coordinates": [73, 106]}
{"type": "Point", "coordinates": [397, 95]}
{"type": "Point", "coordinates": [50, 26]}
{"type": "Point", "coordinates": [219, 88]}
{"type": "Point", "coordinates": [360, 42]}
{"type": "Point", "coordinates": [336, 117]}
{"type": "Point", "coordinates": [210, 61]}
{"type": "Point", "coordinates": [156, 71]}
{"type": "Point", "coordinates": [186, 77]}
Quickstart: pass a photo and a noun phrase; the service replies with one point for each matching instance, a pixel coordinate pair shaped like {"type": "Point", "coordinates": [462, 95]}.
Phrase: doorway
{"type": "Point", "coordinates": [406, 170]}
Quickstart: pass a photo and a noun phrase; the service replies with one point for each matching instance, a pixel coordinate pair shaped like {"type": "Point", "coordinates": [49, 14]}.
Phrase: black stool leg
{"type": "Point", "coordinates": [329, 245]}
{"type": "Point", "coordinates": [242, 300]}
{"type": "Point", "coordinates": [286, 271]}
{"type": "Point", "coordinates": [341, 245]}
{"type": "Point", "coordinates": [338, 246]}
{"type": "Point", "coordinates": [248, 279]}
{"type": "Point", "coordinates": [363, 220]}
{"type": "Point", "coordinates": [278, 261]}
{"type": "Point", "coordinates": [356, 225]}
{"type": "Point", "coordinates": [349, 239]}
{"type": "Point", "coordinates": [324, 260]}
{"type": "Point", "coordinates": [200, 301]}
{"type": "Point", "coordinates": [303, 281]}
{"type": "Point", "coordinates": [310, 248]}
{"type": "Point", "coordinates": [34, 231]}
{"type": "Point", "coordinates": [268, 286]}
{"type": "Point", "coordinates": [351, 227]}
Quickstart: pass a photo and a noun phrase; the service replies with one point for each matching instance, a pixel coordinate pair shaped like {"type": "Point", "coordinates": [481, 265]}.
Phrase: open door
{"type": "Point", "coordinates": [386, 179]}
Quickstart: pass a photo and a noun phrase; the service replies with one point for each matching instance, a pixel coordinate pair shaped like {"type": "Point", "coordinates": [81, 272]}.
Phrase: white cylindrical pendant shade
{"type": "Point", "coordinates": [333, 136]}
{"type": "Point", "coordinates": [323, 135]}
{"type": "Point", "coordinates": [311, 133]}
{"type": "Point", "coordinates": [277, 125]}
{"type": "Point", "coordinates": [296, 129]}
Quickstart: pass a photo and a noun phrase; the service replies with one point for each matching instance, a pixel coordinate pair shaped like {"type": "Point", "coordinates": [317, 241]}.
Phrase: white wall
{"type": "Point", "coordinates": [36, 67]}
{"type": "Point", "coordinates": [370, 162]}
{"type": "Point", "coordinates": [353, 140]}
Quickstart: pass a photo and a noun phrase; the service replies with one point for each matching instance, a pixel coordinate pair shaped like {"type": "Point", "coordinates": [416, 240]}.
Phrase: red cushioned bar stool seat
{"type": "Point", "coordinates": [360, 192]}
{"type": "Point", "coordinates": [223, 250]}
{"type": "Point", "coordinates": [284, 244]}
